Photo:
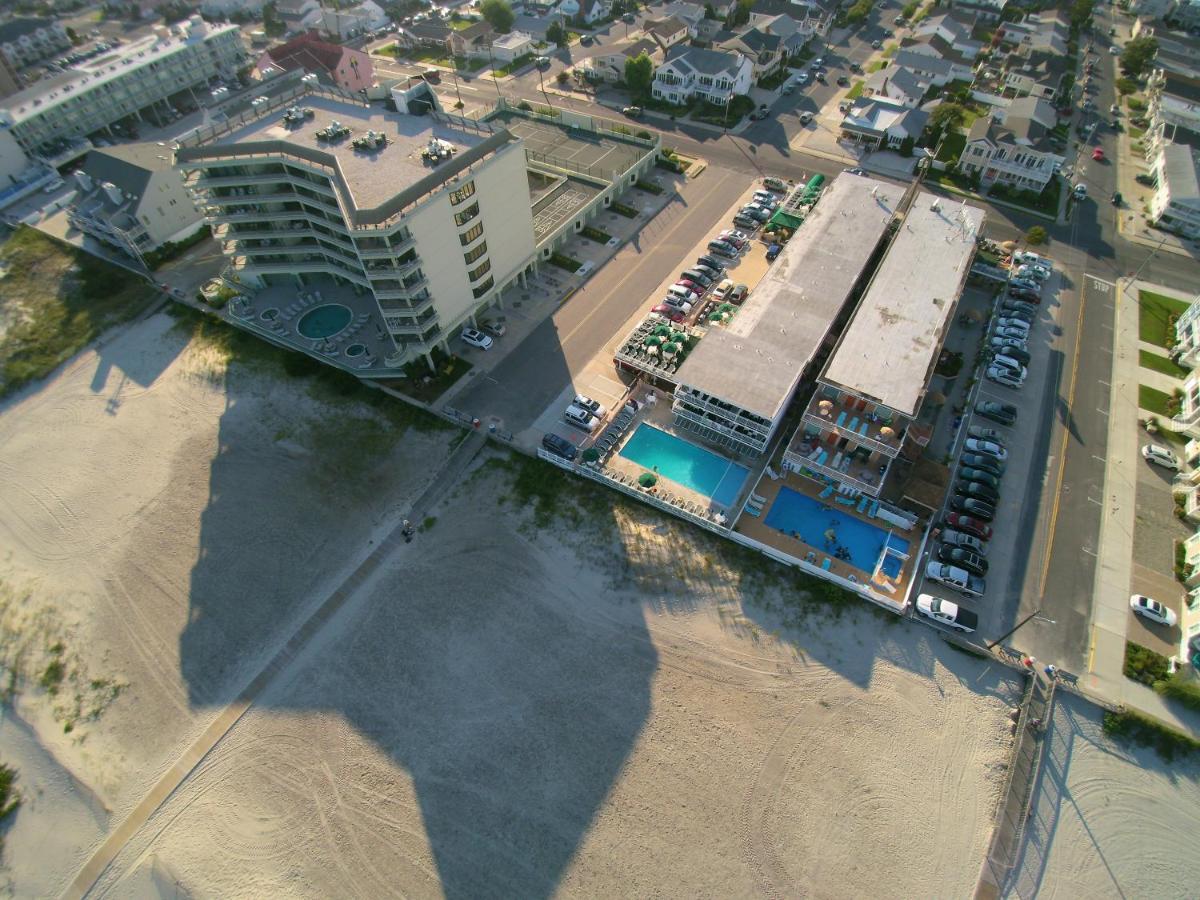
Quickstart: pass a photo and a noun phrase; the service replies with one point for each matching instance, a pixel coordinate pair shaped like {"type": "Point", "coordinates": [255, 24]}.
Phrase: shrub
{"type": "Point", "coordinates": [649, 187]}
{"type": "Point", "coordinates": [1181, 688]}
{"type": "Point", "coordinates": [562, 261]}
{"type": "Point", "coordinates": [1036, 235]}
{"type": "Point", "coordinates": [621, 209]}
{"type": "Point", "coordinates": [595, 234]}
{"type": "Point", "coordinates": [1147, 732]}
{"type": "Point", "coordinates": [1144, 665]}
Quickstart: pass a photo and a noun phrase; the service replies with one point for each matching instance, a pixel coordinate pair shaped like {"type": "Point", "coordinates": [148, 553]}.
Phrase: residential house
{"type": "Point", "coordinates": [880, 123]}
{"type": "Point", "coordinates": [130, 196]}
{"type": "Point", "coordinates": [667, 32]}
{"type": "Point", "coordinates": [610, 65]}
{"type": "Point", "coordinates": [426, 34]}
{"type": "Point", "coordinates": [1041, 75]}
{"type": "Point", "coordinates": [896, 84]}
{"type": "Point", "coordinates": [713, 75]}
{"type": "Point", "coordinates": [930, 69]}
{"type": "Point", "coordinates": [810, 16]}
{"type": "Point", "coordinates": [953, 27]}
{"type": "Point", "coordinates": [586, 11]}
{"type": "Point", "coordinates": [26, 41]}
{"type": "Point", "coordinates": [1176, 202]}
{"type": "Point", "coordinates": [1034, 108]}
{"type": "Point", "coordinates": [1187, 337]}
{"type": "Point", "coordinates": [513, 45]}
{"type": "Point", "coordinates": [767, 48]}
{"type": "Point", "coordinates": [1187, 421]}
{"type": "Point", "coordinates": [472, 41]}
{"type": "Point", "coordinates": [1018, 154]}
{"type": "Point", "coordinates": [986, 11]}
{"type": "Point", "coordinates": [217, 8]}
{"type": "Point", "coordinates": [692, 15]}
{"type": "Point", "coordinates": [1173, 110]}
{"type": "Point", "coordinates": [335, 64]}
{"type": "Point", "coordinates": [962, 56]}
{"type": "Point", "coordinates": [1045, 33]}
{"type": "Point", "coordinates": [344, 24]}
{"type": "Point", "coordinates": [298, 16]}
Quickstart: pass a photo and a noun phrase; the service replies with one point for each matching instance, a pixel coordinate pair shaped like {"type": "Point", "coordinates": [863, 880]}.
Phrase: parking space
{"type": "Point", "coordinates": [1154, 555]}
{"type": "Point", "coordinates": [1009, 462]}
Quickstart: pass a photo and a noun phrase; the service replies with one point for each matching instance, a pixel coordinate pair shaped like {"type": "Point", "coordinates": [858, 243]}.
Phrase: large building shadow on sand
{"type": "Point", "coordinates": [511, 715]}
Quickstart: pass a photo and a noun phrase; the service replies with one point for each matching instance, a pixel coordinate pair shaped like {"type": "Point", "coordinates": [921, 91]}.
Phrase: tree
{"type": "Point", "coordinates": [1036, 235]}
{"type": "Point", "coordinates": [740, 14]}
{"type": "Point", "coordinates": [946, 116]}
{"type": "Point", "coordinates": [272, 24]}
{"type": "Point", "coordinates": [72, 35]}
{"type": "Point", "coordinates": [1125, 85]}
{"type": "Point", "coordinates": [1081, 12]}
{"type": "Point", "coordinates": [556, 34]}
{"type": "Point", "coordinates": [498, 14]}
{"type": "Point", "coordinates": [906, 146]}
{"type": "Point", "coordinates": [710, 11]}
{"type": "Point", "coordinates": [639, 73]}
{"type": "Point", "coordinates": [1137, 55]}
{"type": "Point", "coordinates": [563, 77]}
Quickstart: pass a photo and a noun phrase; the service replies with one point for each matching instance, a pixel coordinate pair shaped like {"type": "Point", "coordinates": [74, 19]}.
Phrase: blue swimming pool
{"type": "Point", "coordinates": [686, 464]}
{"type": "Point", "coordinates": [825, 529]}
{"type": "Point", "coordinates": [324, 321]}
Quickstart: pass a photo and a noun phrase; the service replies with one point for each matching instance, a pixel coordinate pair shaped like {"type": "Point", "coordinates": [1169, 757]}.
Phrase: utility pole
{"type": "Point", "coordinates": [1036, 614]}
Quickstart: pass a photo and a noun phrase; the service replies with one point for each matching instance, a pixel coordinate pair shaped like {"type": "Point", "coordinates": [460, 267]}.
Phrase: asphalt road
{"type": "Point", "coordinates": [526, 382]}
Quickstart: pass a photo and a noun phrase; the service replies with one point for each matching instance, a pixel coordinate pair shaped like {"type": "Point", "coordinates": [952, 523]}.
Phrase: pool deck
{"type": "Point", "coordinates": [889, 590]}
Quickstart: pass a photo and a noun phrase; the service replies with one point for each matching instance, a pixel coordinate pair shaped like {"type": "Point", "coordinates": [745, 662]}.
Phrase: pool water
{"type": "Point", "coordinates": [686, 464]}
{"type": "Point", "coordinates": [324, 321]}
{"type": "Point", "coordinates": [795, 512]}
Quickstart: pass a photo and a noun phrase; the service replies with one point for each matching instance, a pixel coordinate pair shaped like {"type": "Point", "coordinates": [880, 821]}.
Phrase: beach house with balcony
{"type": "Point", "coordinates": [712, 75]}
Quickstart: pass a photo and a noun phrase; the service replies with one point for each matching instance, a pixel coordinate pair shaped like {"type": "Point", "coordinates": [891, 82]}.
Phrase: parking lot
{"type": "Point", "coordinates": [1022, 444]}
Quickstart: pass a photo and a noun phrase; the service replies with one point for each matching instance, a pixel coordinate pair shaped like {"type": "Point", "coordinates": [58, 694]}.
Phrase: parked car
{"type": "Point", "coordinates": [1160, 456]}
{"type": "Point", "coordinates": [979, 509]}
{"type": "Point", "coordinates": [774, 184]}
{"type": "Point", "coordinates": [843, 81]}
{"type": "Point", "coordinates": [583, 401]}
{"type": "Point", "coordinates": [986, 463]}
{"type": "Point", "coordinates": [684, 306]}
{"type": "Point", "coordinates": [958, 579]}
{"type": "Point", "coordinates": [738, 294]}
{"type": "Point", "coordinates": [697, 276]}
{"type": "Point", "coordinates": [1117, 199]}
{"type": "Point", "coordinates": [1080, 191]}
{"type": "Point", "coordinates": [1098, 155]}
{"type": "Point", "coordinates": [802, 78]}
{"type": "Point", "coordinates": [759, 114]}
{"type": "Point", "coordinates": [675, 315]}
{"type": "Point", "coordinates": [986, 448]}
{"type": "Point", "coordinates": [683, 293]}
{"type": "Point", "coordinates": [723, 248]}
{"type": "Point", "coordinates": [723, 290]}
{"type": "Point", "coordinates": [1034, 271]}
{"type": "Point", "coordinates": [1018, 306]}
{"type": "Point", "coordinates": [964, 559]}
{"type": "Point", "coordinates": [737, 238]}
{"type": "Point", "coordinates": [953, 538]}
{"type": "Point", "coordinates": [984, 434]}
{"type": "Point", "coordinates": [634, 112]}
{"type": "Point", "coordinates": [1012, 322]}
{"type": "Point", "coordinates": [694, 287]}
{"type": "Point", "coordinates": [855, 171]}
{"type": "Point", "coordinates": [559, 446]}
{"type": "Point", "coordinates": [476, 339]}
{"type": "Point", "coordinates": [743, 221]}
{"type": "Point", "coordinates": [946, 613]}
{"type": "Point", "coordinates": [1026, 284]}
{"type": "Point", "coordinates": [709, 265]}
{"type": "Point", "coordinates": [1022, 316]}
{"type": "Point", "coordinates": [773, 252]}
{"type": "Point", "coordinates": [580, 418]}
{"type": "Point", "coordinates": [1026, 294]}
{"type": "Point", "coordinates": [1019, 334]}
{"type": "Point", "coordinates": [961, 522]}
{"type": "Point", "coordinates": [1014, 351]}
{"type": "Point", "coordinates": [1003, 413]}
{"type": "Point", "coordinates": [1005, 377]}
{"type": "Point", "coordinates": [1153, 610]}
{"type": "Point", "coordinates": [494, 327]}
{"type": "Point", "coordinates": [978, 490]}
{"type": "Point", "coordinates": [753, 212]}
{"type": "Point", "coordinates": [995, 343]}
{"type": "Point", "coordinates": [766, 198]}
{"type": "Point", "coordinates": [806, 117]}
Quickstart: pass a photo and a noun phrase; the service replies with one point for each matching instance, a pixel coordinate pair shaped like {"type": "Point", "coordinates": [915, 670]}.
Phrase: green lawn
{"type": "Point", "coordinates": [876, 66]}
{"type": "Point", "coordinates": [1155, 325]}
{"type": "Point", "coordinates": [855, 91]}
{"type": "Point", "coordinates": [1147, 359]}
{"type": "Point", "coordinates": [514, 65]}
{"type": "Point", "coordinates": [1153, 400]}
{"type": "Point", "coordinates": [952, 147]}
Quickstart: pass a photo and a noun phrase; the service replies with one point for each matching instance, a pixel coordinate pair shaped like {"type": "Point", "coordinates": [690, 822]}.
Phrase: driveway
{"type": "Point", "coordinates": [1154, 555]}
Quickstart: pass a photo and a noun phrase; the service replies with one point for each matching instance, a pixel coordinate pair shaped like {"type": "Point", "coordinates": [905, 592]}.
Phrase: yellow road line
{"type": "Point", "coordinates": [1062, 456]}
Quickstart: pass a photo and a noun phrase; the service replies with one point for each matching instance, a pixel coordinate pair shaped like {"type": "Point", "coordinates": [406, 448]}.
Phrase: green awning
{"type": "Point", "coordinates": [787, 220]}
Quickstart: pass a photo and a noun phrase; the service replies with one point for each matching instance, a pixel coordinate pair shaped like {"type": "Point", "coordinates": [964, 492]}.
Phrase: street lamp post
{"type": "Point", "coordinates": [1036, 614]}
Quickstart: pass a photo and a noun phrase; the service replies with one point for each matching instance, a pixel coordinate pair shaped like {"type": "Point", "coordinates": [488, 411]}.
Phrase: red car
{"type": "Point", "coordinates": [669, 311]}
{"type": "Point", "coordinates": [975, 527]}
{"type": "Point", "coordinates": [1098, 155]}
{"type": "Point", "coordinates": [690, 285]}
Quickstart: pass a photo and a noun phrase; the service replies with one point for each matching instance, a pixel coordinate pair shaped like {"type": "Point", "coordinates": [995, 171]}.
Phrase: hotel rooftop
{"type": "Point", "coordinates": [378, 183]}
{"type": "Point", "coordinates": [890, 347]}
{"type": "Point", "coordinates": [756, 363]}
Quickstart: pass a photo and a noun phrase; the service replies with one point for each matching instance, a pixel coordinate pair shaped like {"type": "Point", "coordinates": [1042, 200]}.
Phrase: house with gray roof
{"type": "Point", "coordinates": [712, 75]}
{"type": "Point", "coordinates": [610, 65]}
{"type": "Point", "coordinates": [897, 84]}
{"type": "Point", "coordinates": [1041, 75]}
{"type": "Point", "coordinates": [880, 123]}
{"type": "Point", "coordinates": [667, 32]}
{"type": "Point", "coordinates": [986, 11]}
{"type": "Point", "coordinates": [130, 196]}
{"type": "Point", "coordinates": [1018, 153]}
{"type": "Point", "coordinates": [1036, 109]}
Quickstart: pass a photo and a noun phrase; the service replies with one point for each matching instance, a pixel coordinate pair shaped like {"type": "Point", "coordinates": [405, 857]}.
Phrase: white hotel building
{"type": "Point", "coordinates": [137, 80]}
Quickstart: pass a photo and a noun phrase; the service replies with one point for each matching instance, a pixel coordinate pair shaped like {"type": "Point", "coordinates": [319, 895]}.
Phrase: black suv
{"type": "Point", "coordinates": [964, 559]}
{"type": "Point", "coordinates": [560, 446]}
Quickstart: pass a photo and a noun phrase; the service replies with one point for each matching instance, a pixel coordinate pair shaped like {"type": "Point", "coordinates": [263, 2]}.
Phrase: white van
{"type": "Point", "coordinates": [580, 418]}
{"type": "Point", "coordinates": [1011, 364]}
{"type": "Point", "coordinates": [678, 290]}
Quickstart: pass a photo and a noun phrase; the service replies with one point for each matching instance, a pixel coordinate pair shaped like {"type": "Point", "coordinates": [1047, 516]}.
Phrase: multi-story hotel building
{"type": "Point", "coordinates": [138, 79]}
{"type": "Point", "coordinates": [866, 402]}
{"type": "Point", "coordinates": [415, 223]}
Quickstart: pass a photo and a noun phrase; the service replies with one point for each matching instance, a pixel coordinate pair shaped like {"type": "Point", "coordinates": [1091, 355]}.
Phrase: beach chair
{"type": "Point", "coordinates": [837, 460]}
{"type": "Point", "coordinates": [862, 504]}
{"type": "Point", "coordinates": [754, 512]}
{"type": "Point", "coordinates": [827, 564]}
{"type": "Point", "coordinates": [841, 419]}
{"type": "Point", "coordinates": [844, 501]}
{"type": "Point", "coordinates": [853, 426]}
{"type": "Point", "coordinates": [760, 500]}
{"type": "Point", "coordinates": [863, 429]}
{"type": "Point", "coordinates": [874, 509]}
{"type": "Point", "coordinates": [825, 493]}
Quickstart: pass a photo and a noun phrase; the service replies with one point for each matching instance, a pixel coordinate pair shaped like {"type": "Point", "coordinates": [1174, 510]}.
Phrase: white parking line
{"type": "Point", "coordinates": [1103, 412]}
{"type": "Point", "coordinates": [1101, 458]}
{"type": "Point", "coordinates": [1094, 500]}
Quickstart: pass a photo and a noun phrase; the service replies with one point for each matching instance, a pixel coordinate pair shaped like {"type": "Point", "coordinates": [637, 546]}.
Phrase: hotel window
{"type": "Point", "coordinates": [481, 270]}
{"type": "Point", "coordinates": [471, 255]}
{"type": "Point", "coordinates": [462, 218]}
{"type": "Point", "coordinates": [458, 196]}
{"type": "Point", "coordinates": [482, 289]}
{"type": "Point", "coordinates": [468, 236]}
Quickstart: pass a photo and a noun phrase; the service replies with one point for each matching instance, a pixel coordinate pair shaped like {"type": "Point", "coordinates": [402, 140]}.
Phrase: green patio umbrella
{"type": "Point", "coordinates": [591, 454]}
{"type": "Point", "coordinates": [647, 479]}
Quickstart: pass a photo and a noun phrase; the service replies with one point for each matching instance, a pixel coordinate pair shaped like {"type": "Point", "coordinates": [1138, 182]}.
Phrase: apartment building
{"type": "Point", "coordinates": [1176, 202]}
{"type": "Point", "coordinates": [416, 222]}
{"type": "Point", "coordinates": [1018, 153]}
{"type": "Point", "coordinates": [139, 79]}
{"type": "Point", "coordinates": [1187, 337]}
{"type": "Point", "coordinates": [26, 41]}
{"type": "Point", "coordinates": [711, 75]}
{"type": "Point", "coordinates": [131, 197]}
{"type": "Point", "coordinates": [865, 407]}
{"type": "Point", "coordinates": [736, 385]}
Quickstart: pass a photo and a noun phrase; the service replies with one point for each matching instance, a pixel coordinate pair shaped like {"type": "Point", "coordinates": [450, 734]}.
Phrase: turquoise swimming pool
{"type": "Point", "coordinates": [686, 464]}
{"type": "Point", "coordinates": [324, 321]}
{"type": "Point", "coordinates": [826, 528]}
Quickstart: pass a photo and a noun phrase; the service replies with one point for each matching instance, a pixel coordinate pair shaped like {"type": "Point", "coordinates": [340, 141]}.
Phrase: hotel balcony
{"type": "Point", "coordinates": [854, 466]}
{"type": "Point", "coordinates": [843, 417]}
{"type": "Point", "coordinates": [719, 431]}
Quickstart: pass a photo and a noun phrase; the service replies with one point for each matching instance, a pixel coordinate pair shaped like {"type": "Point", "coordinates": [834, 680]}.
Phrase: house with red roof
{"type": "Point", "coordinates": [334, 64]}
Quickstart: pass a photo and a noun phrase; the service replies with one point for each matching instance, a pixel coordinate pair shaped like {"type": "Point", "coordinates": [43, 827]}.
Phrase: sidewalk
{"type": "Point", "coordinates": [1110, 601]}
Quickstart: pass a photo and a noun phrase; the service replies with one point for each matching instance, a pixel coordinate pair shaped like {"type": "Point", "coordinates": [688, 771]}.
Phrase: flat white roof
{"type": "Point", "coordinates": [890, 346]}
{"type": "Point", "coordinates": [756, 362]}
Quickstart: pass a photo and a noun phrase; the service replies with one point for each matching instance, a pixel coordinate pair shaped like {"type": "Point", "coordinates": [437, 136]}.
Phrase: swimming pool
{"type": "Point", "coordinates": [686, 464]}
{"type": "Point", "coordinates": [324, 321]}
{"type": "Point", "coordinates": [795, 512]}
